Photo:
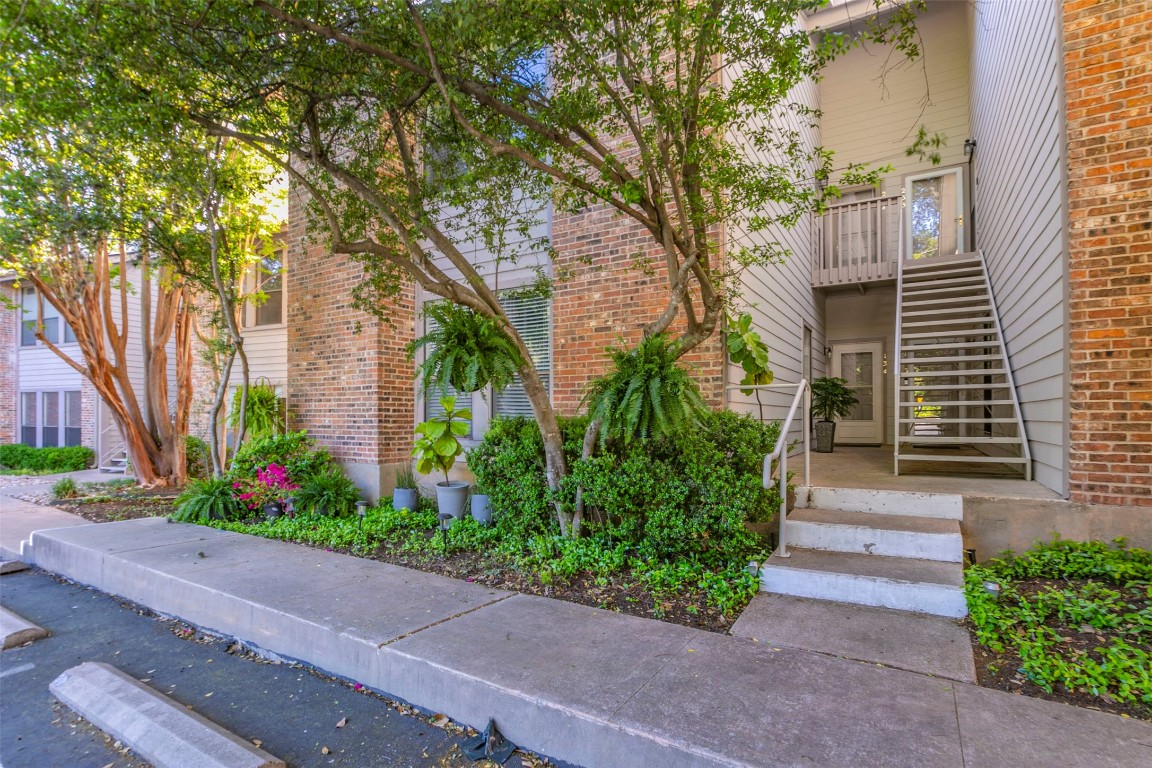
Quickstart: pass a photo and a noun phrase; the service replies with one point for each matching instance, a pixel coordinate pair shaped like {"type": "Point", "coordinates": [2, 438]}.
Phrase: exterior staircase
{"type": "Point", "coordinates": [888, 549]}
{"type": "Point", "coordinates": [956, 401]}
{"type": "Point", "coordinates": [118, 464]}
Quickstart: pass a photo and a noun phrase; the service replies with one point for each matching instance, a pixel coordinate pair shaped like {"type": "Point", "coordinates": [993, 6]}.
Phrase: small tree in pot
{"type": "Point", "coordinates": [831, 399]}
{"type": "Point", "coordinates": [437, 446]}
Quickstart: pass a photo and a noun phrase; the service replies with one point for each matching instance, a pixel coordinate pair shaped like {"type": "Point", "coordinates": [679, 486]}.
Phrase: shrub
{"type": "Point", "coordinates": [197, 460]}
{"type": "Point", "coordinates": [24, 457]}
{"type": "Point", "coordinates": [65, 488]}
{"type": "Point", "coordinates": [294, 451]}
{"type": "Point", "coordinates": [271, 484]}
{"type": "Point", "coordinates": [509, 464]}
{"type": "Point", "coordinates": [328, 493]}
{"type": "Point", "coordinates": [205, 500]}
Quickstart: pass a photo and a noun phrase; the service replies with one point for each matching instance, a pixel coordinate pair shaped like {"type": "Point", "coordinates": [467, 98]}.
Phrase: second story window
{"type": "Point", "coordinates": [267, 278]}
{"type": "Point", "coordinates": [55, 329]}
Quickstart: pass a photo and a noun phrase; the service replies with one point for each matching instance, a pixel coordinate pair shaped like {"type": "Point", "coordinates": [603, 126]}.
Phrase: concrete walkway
{"type": "Point", "coordinates": [588, 686]}
{"type": "Point", "coordinates": [19, 518]}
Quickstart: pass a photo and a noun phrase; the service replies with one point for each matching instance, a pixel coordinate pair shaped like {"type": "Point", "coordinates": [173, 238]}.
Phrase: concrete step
{"type": "Point", "coordinates": [924, 538]}
{"type": "Point", "coordinates": [922, 586]}
{"type": "Point", "coordinates": [965, 459]}
{"type": "Point", "coordinates": [945, 506]}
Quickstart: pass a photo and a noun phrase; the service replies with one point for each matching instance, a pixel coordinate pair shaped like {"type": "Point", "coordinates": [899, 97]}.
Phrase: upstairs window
{"type": "Point", "coordinates": [266, 278]}
{"type": "Point", "coordinates": [54, 325]}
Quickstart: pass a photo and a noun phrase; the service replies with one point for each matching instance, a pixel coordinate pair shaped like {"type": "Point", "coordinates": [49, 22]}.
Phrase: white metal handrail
{"type": "Point", "coordinates": [803, 396]}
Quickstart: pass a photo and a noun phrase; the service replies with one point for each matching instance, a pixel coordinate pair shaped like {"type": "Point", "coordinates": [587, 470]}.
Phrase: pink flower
{"type": "Point", "coordinates": [357, 687]}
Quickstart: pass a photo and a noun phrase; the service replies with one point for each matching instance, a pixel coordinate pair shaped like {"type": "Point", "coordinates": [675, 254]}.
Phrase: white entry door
{"type": "Point", "coordinates": [935, 213]}
{"type": "Point", "coordinates": [861, 365]}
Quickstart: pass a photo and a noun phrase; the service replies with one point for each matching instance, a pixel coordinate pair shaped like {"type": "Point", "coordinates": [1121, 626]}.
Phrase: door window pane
{"type": "Point", "coordinates": [934, 221]}
{"type": "Point", "coordinates": [856, 368]}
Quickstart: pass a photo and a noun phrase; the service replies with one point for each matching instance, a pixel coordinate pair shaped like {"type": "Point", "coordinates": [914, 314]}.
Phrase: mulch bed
{"type": "Point", "coordinates": [1003, 671]}
{"type": "Point", "coordinates": [614, 593]}
{"type": "Point", "coordinates": [130, 504]}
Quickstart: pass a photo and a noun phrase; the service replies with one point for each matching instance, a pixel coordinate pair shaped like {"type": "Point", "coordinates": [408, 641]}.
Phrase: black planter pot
{"type": "Point", "coordinates": [825, 436]}
{"type": "Point", "coordinates": [273, 509]}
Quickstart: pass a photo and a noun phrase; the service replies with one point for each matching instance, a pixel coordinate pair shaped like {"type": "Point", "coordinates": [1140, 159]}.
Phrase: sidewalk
{"type": "Point", "coordinates": [591, 687]}
{"type": "Point", "coordinates": [18, 518]}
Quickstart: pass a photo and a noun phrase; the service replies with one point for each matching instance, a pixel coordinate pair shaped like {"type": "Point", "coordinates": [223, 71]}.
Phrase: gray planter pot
{"type": "Point", "coordinates": [273, 510]}
{"type": "Point", "coordinates": [481, 508]}
{"type": "Point", "coordinates": [825, 436]}
{"type": "Point", "coordinates": [452, 497]}
{"type": "Point", "coordinates": [405, 498]}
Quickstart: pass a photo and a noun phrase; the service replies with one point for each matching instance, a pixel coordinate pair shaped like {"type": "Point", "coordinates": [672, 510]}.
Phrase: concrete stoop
{"type": "Point", "coordinates": [588, 686]}
{"type": "Point", "coordinates": [888, 549]}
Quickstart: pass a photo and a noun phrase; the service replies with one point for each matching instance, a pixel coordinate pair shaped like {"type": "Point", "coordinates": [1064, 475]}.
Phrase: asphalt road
{"type": "Point", "coordinates": [294, 712]}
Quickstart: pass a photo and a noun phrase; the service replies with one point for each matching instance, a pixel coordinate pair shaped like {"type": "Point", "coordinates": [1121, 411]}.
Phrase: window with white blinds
{"type": "Point", "coordinates": [531, 316]}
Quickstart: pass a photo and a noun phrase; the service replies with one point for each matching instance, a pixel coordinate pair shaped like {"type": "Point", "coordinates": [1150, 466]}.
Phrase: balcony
{"type": "Point", "coordinates": [857, 242]}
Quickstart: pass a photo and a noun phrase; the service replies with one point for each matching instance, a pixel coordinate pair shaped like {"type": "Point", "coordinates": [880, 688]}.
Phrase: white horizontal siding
{"type": "Point", "coordinates": [779, 296]}
{"type": "Point", "coordinates": [41, 369]}
{"type": "Point", "coordinates": [870, 316]}
{"type": "Point", "coordinates": [1017, 119]}
{"type": "Point", "coordinates": [873, 104]}
{"type": "Point", "coordinates": [267, 349]}
{"type": "Point", "coordinates": [520, 260]}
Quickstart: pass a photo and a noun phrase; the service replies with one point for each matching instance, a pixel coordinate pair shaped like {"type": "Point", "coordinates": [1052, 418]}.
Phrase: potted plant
{"type": "Point", "coordinates": [437, 446]}
{"type": "Point", "coordinates": [404, 496]}
{"type": "Point", "coordinates": [831, 399]}
{"type": "Point", "coordinates": [481, 506]}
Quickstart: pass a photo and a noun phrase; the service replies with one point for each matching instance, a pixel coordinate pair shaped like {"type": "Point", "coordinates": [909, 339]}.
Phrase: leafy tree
{"type": "Point", "coordinates": [646, 107]}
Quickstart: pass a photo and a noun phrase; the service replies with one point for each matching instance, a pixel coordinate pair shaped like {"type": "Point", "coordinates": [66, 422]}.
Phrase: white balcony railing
{"type": "Point", "coordinates": [857, 242]}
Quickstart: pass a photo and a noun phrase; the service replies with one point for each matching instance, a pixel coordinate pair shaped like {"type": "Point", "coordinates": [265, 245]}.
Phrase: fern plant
{"type": "Point", "coordinates": [264, 410]}
{"type": "Point", "coordinates": [328, 493]}
{"type": "Point", "coordinates": [647, 395]}
{"type": "Point", "coordinates": [464, 350]}
{"type": "Point", "coordinates": [204, 500]}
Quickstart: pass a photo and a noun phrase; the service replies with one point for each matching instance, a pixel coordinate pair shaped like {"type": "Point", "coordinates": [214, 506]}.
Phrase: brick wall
{"type": "Point", "coordinates": [1108, 50]}
{"type": "Point", "coordinates": [349, 381]}
{"type": "Point", "coordinates": [602, 299]}
{"type": "Point", "coordinates": [9, 360]}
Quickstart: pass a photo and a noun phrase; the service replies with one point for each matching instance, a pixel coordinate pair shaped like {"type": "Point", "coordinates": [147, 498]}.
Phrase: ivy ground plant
{"type": "Point", "coordinates": [1071, 621]}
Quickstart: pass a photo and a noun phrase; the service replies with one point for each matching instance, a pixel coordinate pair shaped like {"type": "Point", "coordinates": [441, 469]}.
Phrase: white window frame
{"type": "Point", "coordinates": [61, 427]}
{"type": "Point", "coordinates": [28, 318]}
{"type": "Point", "coordinates": [254, 280]}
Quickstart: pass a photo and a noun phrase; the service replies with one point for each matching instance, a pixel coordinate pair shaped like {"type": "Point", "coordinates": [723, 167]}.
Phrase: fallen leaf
{"type": "Point", "coordinates": [207, 695]}
{"type": "Point", "coordinates": [439, 721]}
{"type": "Point", "coordinates": [343, 722]}
{"type": "Point", "coordinates": [257, 742]}
{"type": "Point", "coordinates": [325, 751]}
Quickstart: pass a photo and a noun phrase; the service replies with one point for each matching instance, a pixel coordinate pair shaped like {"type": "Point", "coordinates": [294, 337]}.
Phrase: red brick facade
{"type": "Point", "coordinates": [349, 381]}
{"type": "Point", "coordinates": [1107, 51]}
{"type": "Point", "coordinates": [9, 360]}
{"type": "Point", "coordinates": [604, 299]}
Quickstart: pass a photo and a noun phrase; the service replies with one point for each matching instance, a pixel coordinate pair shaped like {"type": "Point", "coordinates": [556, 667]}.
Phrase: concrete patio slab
{"type": "Point", "coordinates": [16, 630]}
{"type": "Point", "coordinates": [1004, 731]}
{"type": "Point", "coordinates": [931, 645]}
{"type": "Point", "coordinates": [12, 566]}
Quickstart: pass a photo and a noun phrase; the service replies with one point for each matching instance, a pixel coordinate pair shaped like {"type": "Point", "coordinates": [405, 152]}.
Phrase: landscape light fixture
{"type": "Point", "coordinates": [361, 510]}
{"type": "Point", "coordinates": [969, 147]}
{"type": "Point", "coordinates": [445, 519]}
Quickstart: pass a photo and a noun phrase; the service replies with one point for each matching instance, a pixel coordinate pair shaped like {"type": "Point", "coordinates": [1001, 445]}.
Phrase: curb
{"type": "Point", "coordinates": [156, 728]}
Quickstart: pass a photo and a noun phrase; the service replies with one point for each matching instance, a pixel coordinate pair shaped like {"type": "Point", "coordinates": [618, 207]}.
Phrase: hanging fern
{"type": "Point", "coordinates": [646, 396]}
{"type": "Point", "coordinates": [464, 350]}
{"type": "Point", "coordinates": [264, 410]}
